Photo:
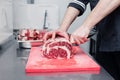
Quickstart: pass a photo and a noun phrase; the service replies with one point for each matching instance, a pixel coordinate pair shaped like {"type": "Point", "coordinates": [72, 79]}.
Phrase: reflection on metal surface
{"type": "Point", "coordinates": [5, 42]}
{"type": "Point", "coordinates": [23, 54]}
{"type": "Point", "coordinates": [62, 73]}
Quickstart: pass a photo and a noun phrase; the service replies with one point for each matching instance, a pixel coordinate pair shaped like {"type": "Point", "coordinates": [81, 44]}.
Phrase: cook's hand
{"type": "Point", "coordinates": [80, 35]}
{"type": "Point", "coordinates": [53, 34]}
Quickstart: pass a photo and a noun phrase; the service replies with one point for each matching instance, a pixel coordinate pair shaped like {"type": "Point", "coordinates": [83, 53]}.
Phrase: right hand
{"type": "Point", "coordinates": [79, 36]}
{"type": "Point", "coordinates": [54, 33]}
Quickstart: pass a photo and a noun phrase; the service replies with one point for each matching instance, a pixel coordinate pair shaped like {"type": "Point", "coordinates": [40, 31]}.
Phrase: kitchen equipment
{"type": "Point", "coordinates": [29, 44]}
{"type": "Point", "coordinates": [45, 18]}
{"type": "Point", "coordinates": [28, 38]}
{"type": "Point", "coordinates": [80, 62]}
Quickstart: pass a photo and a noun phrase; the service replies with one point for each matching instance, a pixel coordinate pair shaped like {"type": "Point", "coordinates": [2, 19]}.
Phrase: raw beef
{"type": "Point", "coordinates": [59, 48]}
{"type": "Point", "coordinates": [31, 34]}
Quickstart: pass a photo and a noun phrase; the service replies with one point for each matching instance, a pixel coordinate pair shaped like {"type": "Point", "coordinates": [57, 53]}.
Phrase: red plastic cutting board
{"type": "Point", "coordinates": [80, 62]}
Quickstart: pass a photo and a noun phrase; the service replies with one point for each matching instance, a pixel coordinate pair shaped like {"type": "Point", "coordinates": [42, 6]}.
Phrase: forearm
{"type": "Point", "coordinates": [102, 9]}
{"type": "Point", "coordinates": [69, 17]}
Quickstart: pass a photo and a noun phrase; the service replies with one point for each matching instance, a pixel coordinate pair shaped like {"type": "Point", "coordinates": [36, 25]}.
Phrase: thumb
{"type": "Point", "coordinates": [72, 39]}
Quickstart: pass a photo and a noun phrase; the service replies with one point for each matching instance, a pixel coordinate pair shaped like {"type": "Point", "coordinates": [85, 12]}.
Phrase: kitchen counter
{"type": "Point", "coordinates": [5, 38]}
{"type": "Point", "coordinates": [12, 67]}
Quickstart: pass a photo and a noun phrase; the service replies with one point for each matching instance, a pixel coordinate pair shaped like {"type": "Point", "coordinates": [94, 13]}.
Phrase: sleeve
{"type": "Point", "coordinates": [79, 4]}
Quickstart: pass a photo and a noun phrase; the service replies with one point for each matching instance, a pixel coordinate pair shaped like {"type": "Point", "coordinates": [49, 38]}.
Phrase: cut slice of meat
{"type": "Point", "coordinates": [57, 48]}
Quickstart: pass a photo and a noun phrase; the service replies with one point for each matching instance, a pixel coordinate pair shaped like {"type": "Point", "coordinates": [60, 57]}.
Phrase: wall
{"type": "Point", "coordinates": [62, 7]}
{"type": "Point", "coordinates": [6, 18]}
{"type": "Point", "coordinates": [33, 16]}
{"type": "Point", "coordinates": [62, 4]}
{"type": "Point", "coordinates": [6, 22]}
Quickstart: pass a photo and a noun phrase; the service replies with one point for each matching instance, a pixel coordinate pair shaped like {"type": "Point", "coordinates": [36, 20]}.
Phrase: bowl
{"type": "Point", "coordinates": [29, 44]}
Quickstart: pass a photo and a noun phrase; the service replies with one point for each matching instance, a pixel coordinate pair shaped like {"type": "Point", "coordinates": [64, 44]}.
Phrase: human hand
{"type": "Point", "coordinates": [55, 33]}
{"type": "Point", "coordinates": [80, 35]}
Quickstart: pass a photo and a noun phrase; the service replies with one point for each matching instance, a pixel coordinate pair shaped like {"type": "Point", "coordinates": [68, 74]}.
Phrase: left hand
{"type": "Point", "coordinates": [54, 33]}
{"type": "Point", "coordinates": [80, 35]}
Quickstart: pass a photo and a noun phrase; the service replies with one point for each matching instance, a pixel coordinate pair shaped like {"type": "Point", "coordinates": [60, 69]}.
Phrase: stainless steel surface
{"type": "Point", "coordinates": [24, 44]}
{"type": "Point", "coordinates": [13, 61]}
{"type": "Point", "coordinates": [27, 44]}
{"type": "Point", "coordinates": [5, 38]}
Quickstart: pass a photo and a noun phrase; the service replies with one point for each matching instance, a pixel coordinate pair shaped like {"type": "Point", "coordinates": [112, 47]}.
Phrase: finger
{"type": "Point", "coordinates": [63, 34]}
{"type": "Point", "coordinates": [85, 39]}
{"type": "Point", "coordinates": [72, 39]}
{"type": "Point", "coordinates": [47, 36]}
{"type": "Point", "coordinates": [81, 41]}
{"type": "Point", "coordinates": [77, 40]}
{"type": "Point", "coordinates": [53, 35]}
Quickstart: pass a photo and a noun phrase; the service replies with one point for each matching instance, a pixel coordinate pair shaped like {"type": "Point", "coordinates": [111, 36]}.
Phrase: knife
{"type": "Point", "coordinates": [92, 33]}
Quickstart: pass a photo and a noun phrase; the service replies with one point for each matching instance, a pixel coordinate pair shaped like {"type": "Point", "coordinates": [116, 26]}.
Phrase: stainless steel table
{"type": "Point", "coordinates": [13, 61]}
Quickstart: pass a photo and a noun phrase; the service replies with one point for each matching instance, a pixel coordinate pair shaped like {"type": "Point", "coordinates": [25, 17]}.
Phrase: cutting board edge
{"type": "Point", "coordinates": [62, 70]}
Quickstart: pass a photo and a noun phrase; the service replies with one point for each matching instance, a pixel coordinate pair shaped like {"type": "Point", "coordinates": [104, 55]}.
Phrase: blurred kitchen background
{"type": "Point", "coordinates": [20, 14]}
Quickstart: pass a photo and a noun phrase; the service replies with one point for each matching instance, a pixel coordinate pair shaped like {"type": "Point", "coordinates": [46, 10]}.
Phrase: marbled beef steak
{"type": "Point", "coordinates": [58, 48]}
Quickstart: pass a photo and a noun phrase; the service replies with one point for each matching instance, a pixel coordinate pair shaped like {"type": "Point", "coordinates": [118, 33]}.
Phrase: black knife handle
{"type": "Point", "coordinates": [92, 33]}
